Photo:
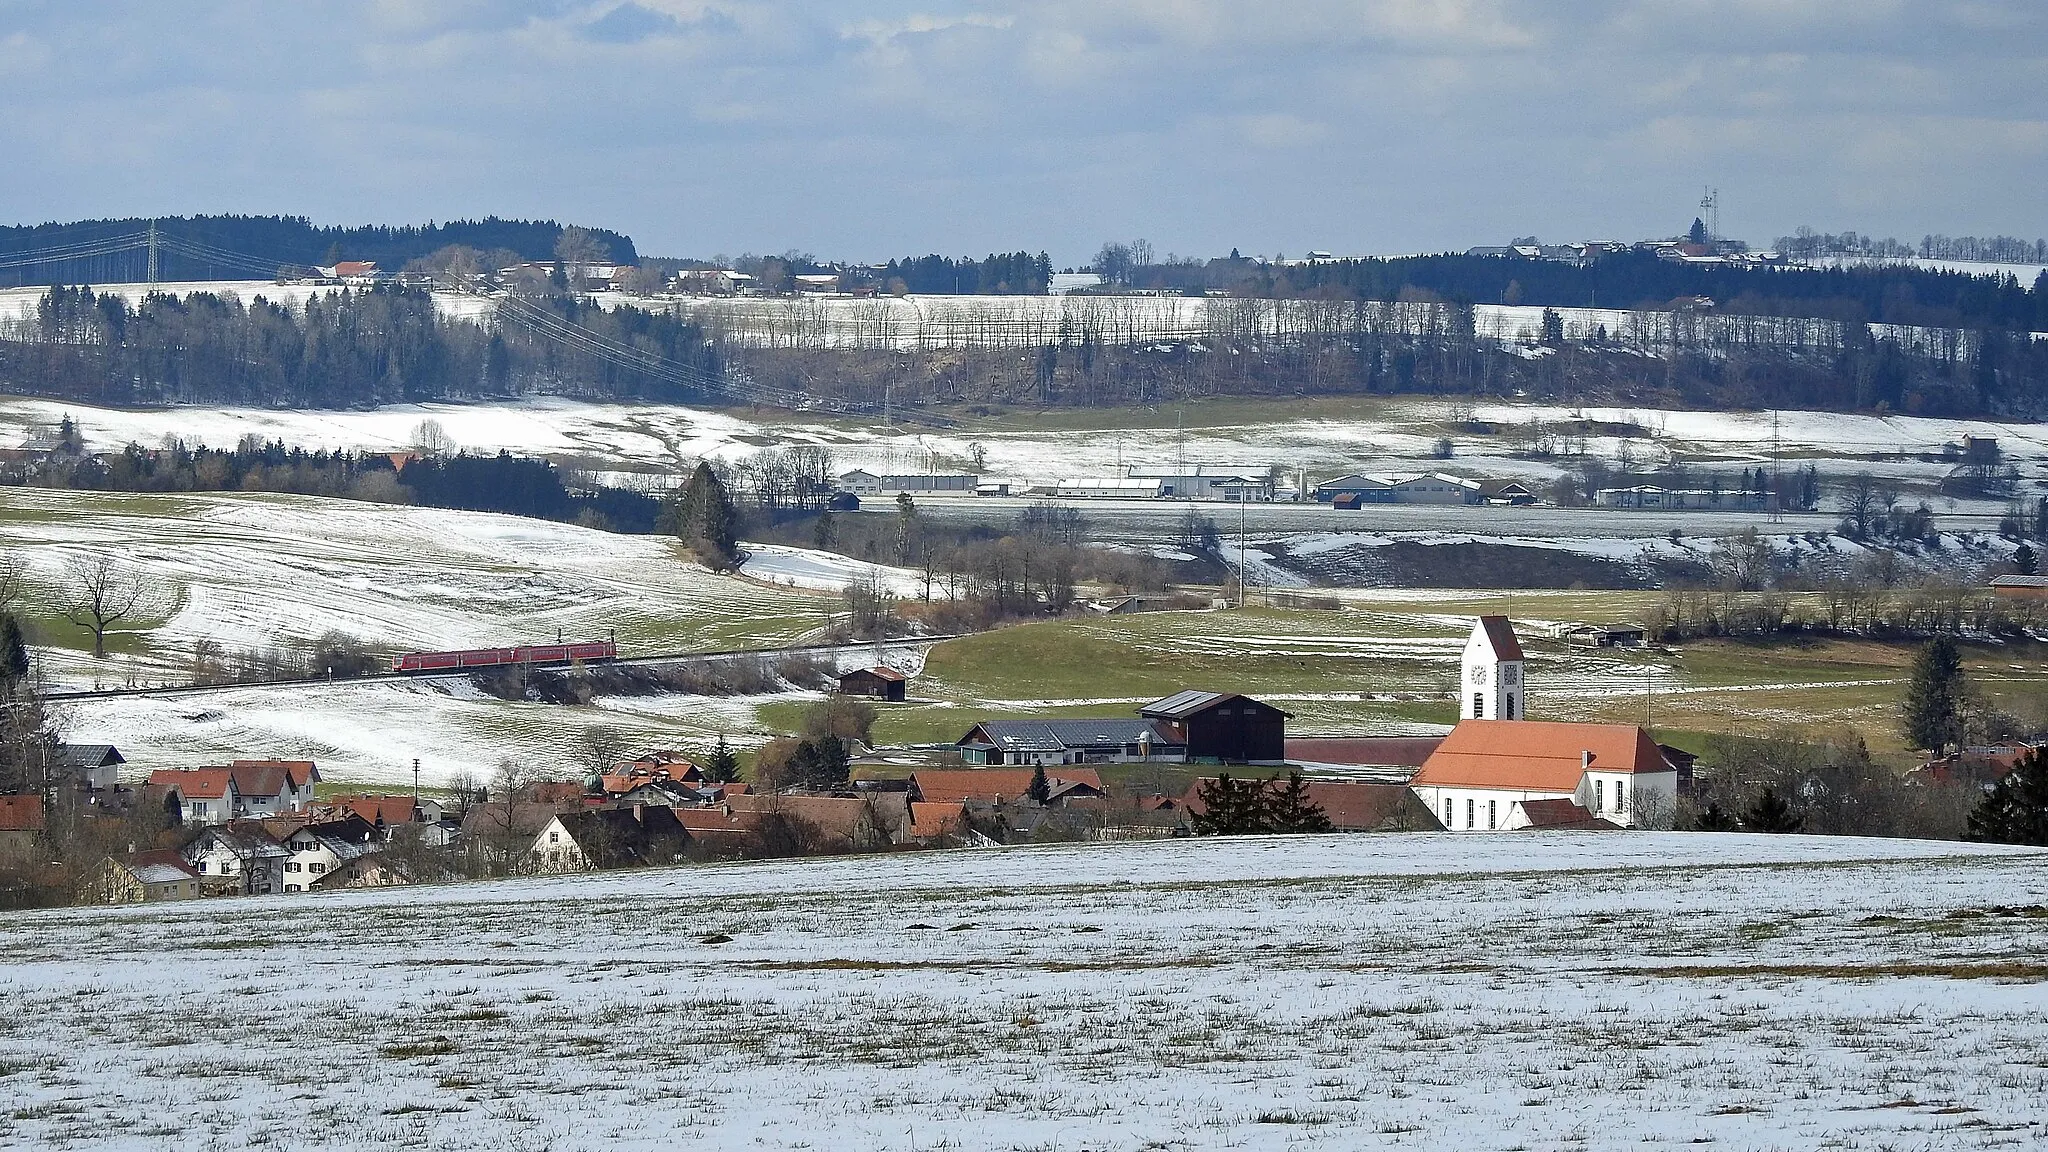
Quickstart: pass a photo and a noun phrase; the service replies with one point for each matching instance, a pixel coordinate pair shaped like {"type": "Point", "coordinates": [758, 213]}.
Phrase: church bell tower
{"type": "Point", "coordinates": [1492, 687]}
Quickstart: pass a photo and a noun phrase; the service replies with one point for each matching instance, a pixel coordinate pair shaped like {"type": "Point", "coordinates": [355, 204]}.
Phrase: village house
{"type": "Point", "coordinates": [21, 826]}
{"type": "Point", "coordinates": [878, 682]}
{"type": "Point", "coordinates": [317, 849]}
{"type": "Point", "coordinates": [868, 822]}
{"type": "Point", "coordinates": [242, 789]}
{"type": "Point", "coordinates": [140, 877]}
{"type": "Point", "coordinates": [237, 859]}
{"type": "Point", "coordinates": [201, 796]}
{"type": "Point", "coordinates": [608, 837]}
{"type": "Point", "coordinates": [93, 767]}
{"type": "Point", "coordinates": [995, 787]}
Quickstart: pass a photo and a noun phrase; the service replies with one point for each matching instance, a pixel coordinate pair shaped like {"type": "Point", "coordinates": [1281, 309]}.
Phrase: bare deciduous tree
{"type": "Point", "coordinates": [13, 579]}
{"type": "Point", "coordinates": [430, 439]}
{"type": "Point", "coordinates": [100, 592]}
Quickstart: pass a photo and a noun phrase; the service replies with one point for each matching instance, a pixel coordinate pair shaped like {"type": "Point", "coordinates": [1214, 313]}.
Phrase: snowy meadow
{"type": "Point", "coordinates": [1401, 991]}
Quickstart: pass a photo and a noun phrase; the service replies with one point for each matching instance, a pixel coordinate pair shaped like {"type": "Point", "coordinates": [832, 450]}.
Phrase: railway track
{"type": "Point", "coordinates": [389, 677]}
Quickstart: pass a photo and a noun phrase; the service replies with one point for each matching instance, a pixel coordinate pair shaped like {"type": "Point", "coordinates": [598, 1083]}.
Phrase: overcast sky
{"type": "Point", "coordinates": [870, 128]}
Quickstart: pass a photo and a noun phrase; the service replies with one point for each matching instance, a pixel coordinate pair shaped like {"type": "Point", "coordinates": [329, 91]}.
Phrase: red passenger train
{"type": "Point", "coordinates": [495, 657]}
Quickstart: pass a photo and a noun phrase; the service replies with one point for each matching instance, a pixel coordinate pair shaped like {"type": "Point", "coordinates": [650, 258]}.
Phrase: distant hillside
{"type": "Point", "coordinates": [104, 251]}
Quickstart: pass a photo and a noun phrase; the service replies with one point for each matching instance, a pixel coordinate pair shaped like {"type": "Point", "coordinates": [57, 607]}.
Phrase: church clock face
{"type": "Point", "coordinates": [1510, 676]}
{"type": "Point", "coordinates": [1478, 675]}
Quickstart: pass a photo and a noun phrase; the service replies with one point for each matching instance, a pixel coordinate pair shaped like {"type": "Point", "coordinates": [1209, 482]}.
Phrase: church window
{"type": "Point", "coordinates": [1620, 796]}
{"type": "Point", "coordinates": [1470, 805]}
{"type": "Point", "coordinates": [1490, 814]}
{"type": "Point", "coordinates": [1509, 713]}
{"type": "Point", "coordinates": [1447, 811]}
{"type": "Point", "coordinates": [1478, 706]}
{"type": "Point", "coordinates": [1599, 795]}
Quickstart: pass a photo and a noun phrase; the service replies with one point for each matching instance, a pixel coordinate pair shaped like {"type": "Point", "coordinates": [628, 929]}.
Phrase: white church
{"type": "Point", "coordinates": [1499, 771]}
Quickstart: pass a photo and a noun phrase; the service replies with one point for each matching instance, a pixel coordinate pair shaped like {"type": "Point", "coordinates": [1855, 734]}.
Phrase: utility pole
{"type": "Point", "coordinates": [152, 251]}
{"type": "Point", "coordinates": [1777, 445]}
{"type": "Point", "coordinates": [415, 779]}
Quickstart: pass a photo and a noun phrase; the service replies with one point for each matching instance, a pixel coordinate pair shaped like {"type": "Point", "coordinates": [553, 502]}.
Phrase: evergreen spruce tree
{"type": "Point", "coordinates": [1934, 697]}
{"type": "Point", "coordinates": [1289, 808]}
{"type": "Point", "coordinates": [1231, 807]}
{"type": "Point", "coordinates": [722, 766]}
{"type": "Point", "coordinates": [1715, 820]}
{"type": "Point", "coordinates": [1771, 813]}
{"type": "Point", "coordinates": [1040, 788]}
{"type": "Point", "coordinates": [2024, 560]}
{"type": "Point", "coordinates": [2015, 811]}
{"type": "Point", "coordinates": [13, 650]}
{"type": "Point", "coordinates": [706, 520]}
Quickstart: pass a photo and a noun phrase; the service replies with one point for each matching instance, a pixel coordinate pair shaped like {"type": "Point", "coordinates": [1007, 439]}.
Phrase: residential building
{"type": "Point", "coordinates": [999, 786]}
{"type": "Point", "coordinates": [144, 876]}
{"type": "Point", "coordinates": [22, 822]}
{"type": "Point", "coordinates": [203, 796]}
{"type": "Point", "coordinates": [878, 682]}
{"type": "Point", "coordinates": [1492, 673]}
{"type": "Point", "coordinates": [240, 858]}
{"type": "Point", "coordinates": [609, 837]}
{"type": "Point", "coordinates": [1485, 769]}
{"type": "Point", "coordinates": [94, 767]}
{"type": "Point", "coordinates": [273, 787]}
{"type": "Point", "coordinates": [316, 849]}
{"type": "Point", "coordinates": [867, 822]}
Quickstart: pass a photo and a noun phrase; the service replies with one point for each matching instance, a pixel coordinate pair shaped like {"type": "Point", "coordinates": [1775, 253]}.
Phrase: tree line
{"type": "Point", "coordinates": [518, 485]}
{"type": "Point", "coordinates": [997, 274]}
{"type": "Point", "coordinates": [271, 242]}
{"type": "Point", "coordinates": [383, 345]}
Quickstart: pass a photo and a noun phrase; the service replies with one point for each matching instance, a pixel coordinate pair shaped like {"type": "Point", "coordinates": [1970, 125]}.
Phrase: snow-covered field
{"type": "Point", "coordinates": [1402, 991]}
{"type": "Point", "coordinates": [256, 571]}
{"type": "Point", "coordinates": [1384, 436]}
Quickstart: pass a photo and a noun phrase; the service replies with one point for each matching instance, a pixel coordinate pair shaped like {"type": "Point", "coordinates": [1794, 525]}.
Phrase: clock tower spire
{"type": "Point", "coordinates": [1491, 687]}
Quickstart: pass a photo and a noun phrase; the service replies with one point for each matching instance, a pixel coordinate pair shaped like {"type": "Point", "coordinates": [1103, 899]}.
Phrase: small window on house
{"type": "Point", "coordinates": [554, 837]}
{"type": "Point", "coordinates": [291, 888]}
{"type": "Point", "coordinates": [316, 867]}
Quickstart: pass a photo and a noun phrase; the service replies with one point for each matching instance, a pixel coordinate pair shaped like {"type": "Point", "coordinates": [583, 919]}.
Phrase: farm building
{"type": "Point", "coordinates": [1207, 483]}
{"type": "Point", "coordinates": [143, 876]}
{"type": "Point", "coordinates": [1110, 740]}
{"type": "Point", "coordinates": [1604, 636]}
{"type": "Point", "coordinates": [1652, 496]}
{"type": "Point", "coordinates": [1400, 488]}
{"type": "Point", "coordinates": [861, 482]}
{"type": "Point", "coordinates": [2021, 587]}
{"type": "Point", "coordinates": [1212, 727]}
{"type": "Point", "coordinates": [1222, 727]}
{"type": "Point", "coordinates": [1106, 488]}
{"type": "Point", "coordinates": [94, 767]}
{"type": "Point", "coordinates": [878, 682]}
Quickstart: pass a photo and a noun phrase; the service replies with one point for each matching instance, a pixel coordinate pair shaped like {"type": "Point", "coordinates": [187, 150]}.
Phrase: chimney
{"type": "Point", "coordinates": [639, 813]}
{"type": "Point", "coordinates": [1586, 760]}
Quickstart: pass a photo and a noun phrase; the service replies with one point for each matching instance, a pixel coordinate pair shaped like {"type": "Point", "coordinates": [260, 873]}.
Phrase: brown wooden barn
{"type": "Point", "coordinates": [880, 683]}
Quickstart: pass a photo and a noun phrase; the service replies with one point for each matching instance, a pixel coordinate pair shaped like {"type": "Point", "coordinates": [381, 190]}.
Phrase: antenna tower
{"type": "Point", "coordinates": [1710, 211]}
{"type": "Point", "coordinates": [152, 252]}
